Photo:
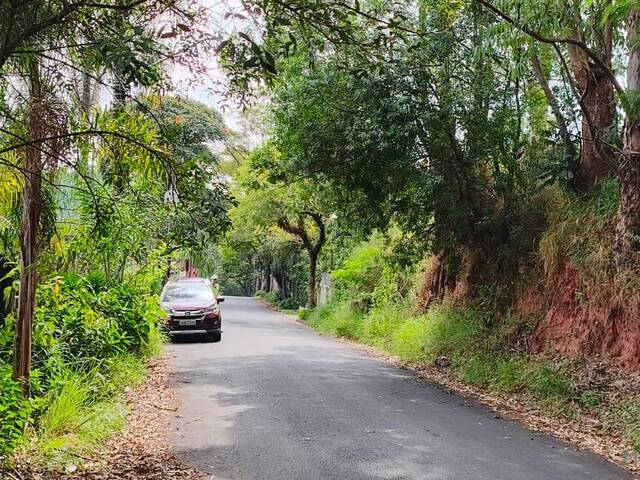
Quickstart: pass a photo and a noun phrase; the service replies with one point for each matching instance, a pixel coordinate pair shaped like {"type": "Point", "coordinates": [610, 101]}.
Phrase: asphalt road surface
{"type": "Point", "coordinates": [276, 401]}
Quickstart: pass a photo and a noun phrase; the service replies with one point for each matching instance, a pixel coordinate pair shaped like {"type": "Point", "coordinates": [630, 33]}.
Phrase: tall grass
{"type": "Point", "coordinates": [82, 409]}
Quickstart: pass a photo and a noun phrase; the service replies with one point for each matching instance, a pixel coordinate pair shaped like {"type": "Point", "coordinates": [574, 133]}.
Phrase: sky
{"type": "Point", "coordinates": [209, 89]}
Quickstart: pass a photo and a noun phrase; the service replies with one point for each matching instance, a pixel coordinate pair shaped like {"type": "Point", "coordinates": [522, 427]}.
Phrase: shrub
{"type": "Point", "coordinates": [380, 324]}
{"type": "Point", "coordinates": [359, 275]}
{"type": "Point", "coordinates": [342, 320]}
{"type": "Point", "coordinates": [79, 413]}
{"type": "Point", "coordinates": [14, 412]}
{"type": "Point", "coordinates": [509, 376]}
{"type": "Point", "coordinates": [287, 303]}
{"type": "Point", "coordinates": [317, 316]}
{"type": "Point", "coordinates": [590, 398]}
{"type": "Point", "coordinates": [453, 331]}
{"type": "Point", "coordinates": [478, 369]}
{"type": "Point", "coordinates": [269, 297]}
{"type": "Point", "coordinates": [74, 322]}
{"type": "Point", "coordinates": [89, 337]}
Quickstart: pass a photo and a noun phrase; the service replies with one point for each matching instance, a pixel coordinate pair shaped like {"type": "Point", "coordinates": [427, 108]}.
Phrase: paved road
{"type": "Point", "coordinates": [275, 401]}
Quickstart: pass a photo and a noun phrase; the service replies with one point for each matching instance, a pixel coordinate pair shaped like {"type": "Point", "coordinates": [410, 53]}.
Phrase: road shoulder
{"type": "Point", "coordinates": [583, 436]}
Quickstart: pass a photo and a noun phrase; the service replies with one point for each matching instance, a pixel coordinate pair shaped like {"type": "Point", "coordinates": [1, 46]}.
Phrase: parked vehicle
{"type": "Point", "coordinates": [192, 308]}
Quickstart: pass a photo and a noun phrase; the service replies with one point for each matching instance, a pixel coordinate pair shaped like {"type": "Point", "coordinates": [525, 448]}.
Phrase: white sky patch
{"type": "Point", "coordinates": [210, 88]}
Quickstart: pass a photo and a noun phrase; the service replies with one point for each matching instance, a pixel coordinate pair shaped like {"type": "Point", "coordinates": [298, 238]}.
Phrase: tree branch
{"type": "Point", "coordinates": [554, 41]}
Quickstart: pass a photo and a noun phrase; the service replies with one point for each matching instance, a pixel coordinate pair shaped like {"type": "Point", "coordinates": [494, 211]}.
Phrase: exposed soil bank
{"type": "Point", "coordinates": [574, 328]}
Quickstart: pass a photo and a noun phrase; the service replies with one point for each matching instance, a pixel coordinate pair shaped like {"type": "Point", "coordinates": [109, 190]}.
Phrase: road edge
{"type": "Point", "coordinates": [579, 436]}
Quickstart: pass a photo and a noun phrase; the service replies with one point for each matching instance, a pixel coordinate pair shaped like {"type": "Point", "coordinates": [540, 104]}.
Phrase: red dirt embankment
{"type": "Point", "coordinates": [574, 328]}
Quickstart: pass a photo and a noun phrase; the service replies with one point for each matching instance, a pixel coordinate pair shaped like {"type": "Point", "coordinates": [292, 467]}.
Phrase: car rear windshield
{"type": "Point", "coordinates": [188, 292]}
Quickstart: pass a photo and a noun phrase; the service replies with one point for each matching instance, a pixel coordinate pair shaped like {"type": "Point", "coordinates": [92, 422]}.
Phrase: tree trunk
{"type": "Point", "coordinates": [86, 99]}
{"type": "Point", "coordinates": [439, 277]}
{"type": "Point", "coordinates": [555, 107]}
{"type": "Point", "coordinates": [29, 228]}
{"type": "Point", "coordinates": [627, 229]}
{"type": "Point", "coordinates": [311, 286]}
{"type": "Point", "coordinates": [596, 90]}
{"type": "Point", "coordinates": [267, 276]}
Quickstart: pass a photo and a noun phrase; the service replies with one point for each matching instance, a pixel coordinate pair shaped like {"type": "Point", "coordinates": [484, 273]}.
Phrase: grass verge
{"type": "Point", "coordinates": [82, 409]}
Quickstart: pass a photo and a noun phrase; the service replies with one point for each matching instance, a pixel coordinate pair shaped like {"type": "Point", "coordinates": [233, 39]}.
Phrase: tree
{"type": "Point", "coordinates": [44, 46]}
{"type": "Point", "coordinates": [270, 201]}
{"type": "Point", "coordinates": [587, 30]}
{"type": "Point", "coordinates": [192, 182]}
{"type": "Point", "coordinates": [434, 148]}
{"type": "Point", "coordinates": [627, 227]}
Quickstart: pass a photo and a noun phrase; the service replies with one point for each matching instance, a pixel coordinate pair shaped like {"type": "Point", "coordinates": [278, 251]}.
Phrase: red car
{"type": "Point", "coordinates": [192, 308]}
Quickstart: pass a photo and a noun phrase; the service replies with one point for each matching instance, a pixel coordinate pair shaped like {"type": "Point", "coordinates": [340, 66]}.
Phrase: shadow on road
{"type": "Point", "coordinates": [276, 401]}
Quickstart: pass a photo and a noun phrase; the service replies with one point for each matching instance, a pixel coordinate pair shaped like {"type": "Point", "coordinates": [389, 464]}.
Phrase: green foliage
{"type": "Point", "coordinates": [579, 232]}
{"type": "Point", "coordinates": [627, 416]}
{"type": "Point", "coordinates": [270, 297]}
{"type": "Point", "coordinates": [361, 271]}
{"type": "Point", "coordinates": [380, 324]}
{"type": "Point", "coordinates": [337, 319]}
{"type": "Point", "coordinates": [135, 184]}
{"type": "Point", "coordinates": [458, 334]}
{"type": "Point", "coordinates": [453, 331]}
{"type": "Point", "coordinates": [510, 375]}
{"type": "Point", "coordinates": [76, 320]}
{"type": "Point", "coordinates": [576, 226]}
{"type": "Point", "coordinates": [79, 409]}
{"type": "Point", "coordinates": [590, 398]}
{"type": "Point", "coordinates": [89, 339]}
{"type": "Point", "coordinates": [477, 369]}
{"type": "Point", "coordinates": [549, 382]}
{"type": "Point", "coordinates": [14, 412]}
{"type": "Point", "coordinates": [408, 340]}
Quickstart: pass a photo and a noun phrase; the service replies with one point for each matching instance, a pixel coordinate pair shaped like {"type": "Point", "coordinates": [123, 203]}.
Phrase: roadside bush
{"type": "Point", "coordinates": [276, 299]}
{"type": "Point", "coordinates": [549, 382]}
{"type": "Point", "coordinates": [360, 273]}
{"type": "Point", "coordinates": [510, 376]}
{"type": "Point", "coordinates": [337, 318]}
{"type": "Point", "coordinates": [14, 412]}
{"type": "Point", "coordinates": [269, 297]}
{"type": "Point", "coordinates": [79, 411]}
{"type": "Point", "coordinates": [287, 303]}
{"type": "Point", "coordinates": [76, 322]}
{"type": "Point", "coordinates": [477, 369]}
{"type": "Point", "coordinates": [453, 331]}
{"type": "Point", "coordinates": [380, 324]}
{"type": "Point", "coordinates": [89, 340]}
{"type": "Point", "coordinates": [317, 316]}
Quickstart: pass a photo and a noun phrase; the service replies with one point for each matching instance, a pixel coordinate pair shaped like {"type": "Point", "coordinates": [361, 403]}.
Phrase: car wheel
{"type": "Point", "coordinates": [214, 337]}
